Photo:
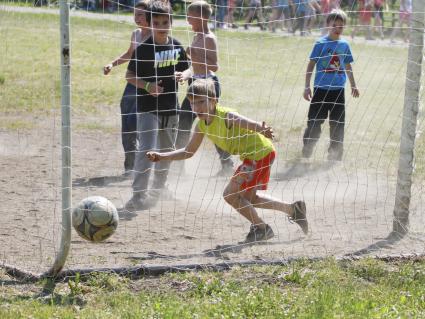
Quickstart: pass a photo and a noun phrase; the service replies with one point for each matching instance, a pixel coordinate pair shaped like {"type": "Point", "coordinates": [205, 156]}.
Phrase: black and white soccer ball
{"type": "Point", "coordinates": [95, 218]}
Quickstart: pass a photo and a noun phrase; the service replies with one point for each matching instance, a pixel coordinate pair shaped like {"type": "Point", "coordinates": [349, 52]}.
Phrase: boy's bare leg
{"type": "Point", "coordinates": [245, 203]}
{"type": "Point", "coordinates": [296, 211]}
{"type": "Point", "coordinates": [268, 202]}
{"type": "Point", "coordinates": [259, 230]}
{"type": "Point", "coordinates": [234, 197]}
{"type": "Point", "coordinates": [249, 17]}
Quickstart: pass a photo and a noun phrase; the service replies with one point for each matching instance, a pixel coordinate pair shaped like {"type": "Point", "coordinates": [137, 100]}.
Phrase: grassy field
{"type": "Point", "coordinates": [324, 289]}
{"type": "Point", "coordinates": [262, 75]}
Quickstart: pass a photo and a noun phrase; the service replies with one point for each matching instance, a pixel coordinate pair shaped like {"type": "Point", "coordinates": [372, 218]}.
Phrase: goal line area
{"type": "Point", "coordinates": [350, 202]}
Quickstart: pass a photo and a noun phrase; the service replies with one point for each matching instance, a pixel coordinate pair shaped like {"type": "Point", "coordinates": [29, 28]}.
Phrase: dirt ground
{"type": "Point", "coordinates": [349, 210]}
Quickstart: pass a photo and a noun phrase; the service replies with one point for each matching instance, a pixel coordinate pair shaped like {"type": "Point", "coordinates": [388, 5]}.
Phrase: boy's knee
{"type": "Point", "coordinates": [230, 196]}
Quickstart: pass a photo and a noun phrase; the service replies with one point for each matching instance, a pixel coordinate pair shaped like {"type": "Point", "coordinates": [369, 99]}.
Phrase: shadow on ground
{"type": "Point", "coordinates": [388, 242]}
{"type": "Point", "coordinates": [99, 181]}
{"type": "Point", "coordinates": [219, 251]}
{"type": "Point", "coordinates": [298, 169]}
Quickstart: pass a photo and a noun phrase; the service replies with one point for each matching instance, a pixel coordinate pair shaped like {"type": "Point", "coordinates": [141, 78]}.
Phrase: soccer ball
{"type": "Point", "coordinates": [95, 218]}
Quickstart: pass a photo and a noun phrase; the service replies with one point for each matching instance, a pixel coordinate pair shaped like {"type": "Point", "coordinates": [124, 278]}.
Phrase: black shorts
{"type": "Point", "coordinates": [327, 103]}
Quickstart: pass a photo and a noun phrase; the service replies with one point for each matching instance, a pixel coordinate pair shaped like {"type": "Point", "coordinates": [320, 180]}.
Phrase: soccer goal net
{"type": "Point", "coordinates": [353, 203]}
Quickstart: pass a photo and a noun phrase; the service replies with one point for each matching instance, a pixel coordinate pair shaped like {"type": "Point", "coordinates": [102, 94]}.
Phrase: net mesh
{"type": "Point", "coordinates": [349, 203]}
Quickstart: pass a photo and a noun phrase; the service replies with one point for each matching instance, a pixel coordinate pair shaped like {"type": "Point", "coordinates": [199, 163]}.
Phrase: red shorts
{"type": "Point", "coordinates": [254, 174]}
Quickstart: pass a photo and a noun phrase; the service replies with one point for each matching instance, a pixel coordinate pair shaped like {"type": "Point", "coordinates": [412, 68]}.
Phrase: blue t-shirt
{"type": "Point", "coordinates": [300, 6]}
{"type": "Point", "coordinates": [331, 56]}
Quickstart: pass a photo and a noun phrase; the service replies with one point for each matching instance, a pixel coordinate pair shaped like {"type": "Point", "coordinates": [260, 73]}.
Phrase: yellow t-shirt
{"type": "Point", "coordinates": [236, 140]}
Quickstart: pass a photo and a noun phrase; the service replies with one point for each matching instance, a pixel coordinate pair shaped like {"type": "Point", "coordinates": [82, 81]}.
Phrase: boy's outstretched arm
{"type": "Point", "coordinates": [307, 91]}
{"type": "Point", "coordinates": [180, 154]}
{"type": "Point", "coordinates": [354, 90]}
{"type": "Point", "coordinates": [123, 58]}
{"type": "Point", "coordinates": [246, 123]}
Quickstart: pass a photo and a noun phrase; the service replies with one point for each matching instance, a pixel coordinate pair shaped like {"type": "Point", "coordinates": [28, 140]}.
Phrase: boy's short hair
{"type": "Point", "coordinates": [201, 87]}
{"type": "Point", "coordinates": [158, 8]}
{"type": "Point", "coordinates": [201, 8]}
{"type": "Point", "coordinates": [142, 5]}
{"type": "Point", "coordinates": [336, 14]}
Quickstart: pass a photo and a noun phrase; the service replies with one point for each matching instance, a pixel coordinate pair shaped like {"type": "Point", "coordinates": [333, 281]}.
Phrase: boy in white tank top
{"type": "Point", "coordinates": [203, 53]}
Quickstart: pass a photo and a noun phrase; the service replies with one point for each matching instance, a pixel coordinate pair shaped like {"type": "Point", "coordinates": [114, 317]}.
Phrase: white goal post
{"type": "Point", "coordinates": [410, 119]}
{"type": "Point", "coordinates": [65, 53]}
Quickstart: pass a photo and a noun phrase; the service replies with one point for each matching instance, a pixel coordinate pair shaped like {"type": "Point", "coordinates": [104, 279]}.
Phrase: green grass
{"type": "Point", "coordinates": [93, 126]}
{"type": "Point", "coordinates": [14, 125]}
{"type": "Point", "coordinates": [325, 289]}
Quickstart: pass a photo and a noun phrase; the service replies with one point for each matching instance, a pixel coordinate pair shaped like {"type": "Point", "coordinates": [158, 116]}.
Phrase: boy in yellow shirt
{"type": "Point", "coordinates": [250, 140]}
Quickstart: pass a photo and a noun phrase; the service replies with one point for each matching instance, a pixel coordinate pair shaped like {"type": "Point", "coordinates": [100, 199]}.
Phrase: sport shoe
{"type": "Point", "coordinates": [137, 203]}
{"type": "Point", "coordinates": [258, 234]}
{"type": "Point", "coordinates": [300, 216]}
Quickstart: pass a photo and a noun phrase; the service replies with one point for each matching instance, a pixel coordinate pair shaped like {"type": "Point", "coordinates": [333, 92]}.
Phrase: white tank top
{"type": "Point", "coordinates": [139, 38]}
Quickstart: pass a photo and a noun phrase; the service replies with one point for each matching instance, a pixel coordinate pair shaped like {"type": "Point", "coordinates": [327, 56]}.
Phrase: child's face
{"type": "Point", "coordinates": [195, 20]}
{"type": "Point", "coordinates": [203, 106]}
{"type": "Point", "coordinates": [140, 18]}
{"type": "Point", "coordinates": [161, 25]}
{"type": "Point", "coordinates": [336, 28]}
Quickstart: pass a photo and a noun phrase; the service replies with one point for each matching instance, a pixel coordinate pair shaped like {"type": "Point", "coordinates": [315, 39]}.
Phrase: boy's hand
{"type": "Point", "coordinates": [355, 92]}
{"type": "Point", "coordinates": [107, 68]}
{"type": "Point", "coordinates": [267, 131]}
{"type": "Point", "coordinates": [180, 77]}
{"type": "Point", "coordinates": [153, 156]}
{"type": "Point", "coordinates": [155, 89]}
{"type": "Point", "coordinates": [307, 94]}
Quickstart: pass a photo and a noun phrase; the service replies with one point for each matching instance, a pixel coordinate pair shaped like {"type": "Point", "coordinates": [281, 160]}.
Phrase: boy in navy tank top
{"type": "Point", "coordinates": [129, 97]}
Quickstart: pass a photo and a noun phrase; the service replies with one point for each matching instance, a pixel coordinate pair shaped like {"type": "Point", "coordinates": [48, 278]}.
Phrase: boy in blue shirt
{"type": "Point", "coordinates": [332, 58]}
